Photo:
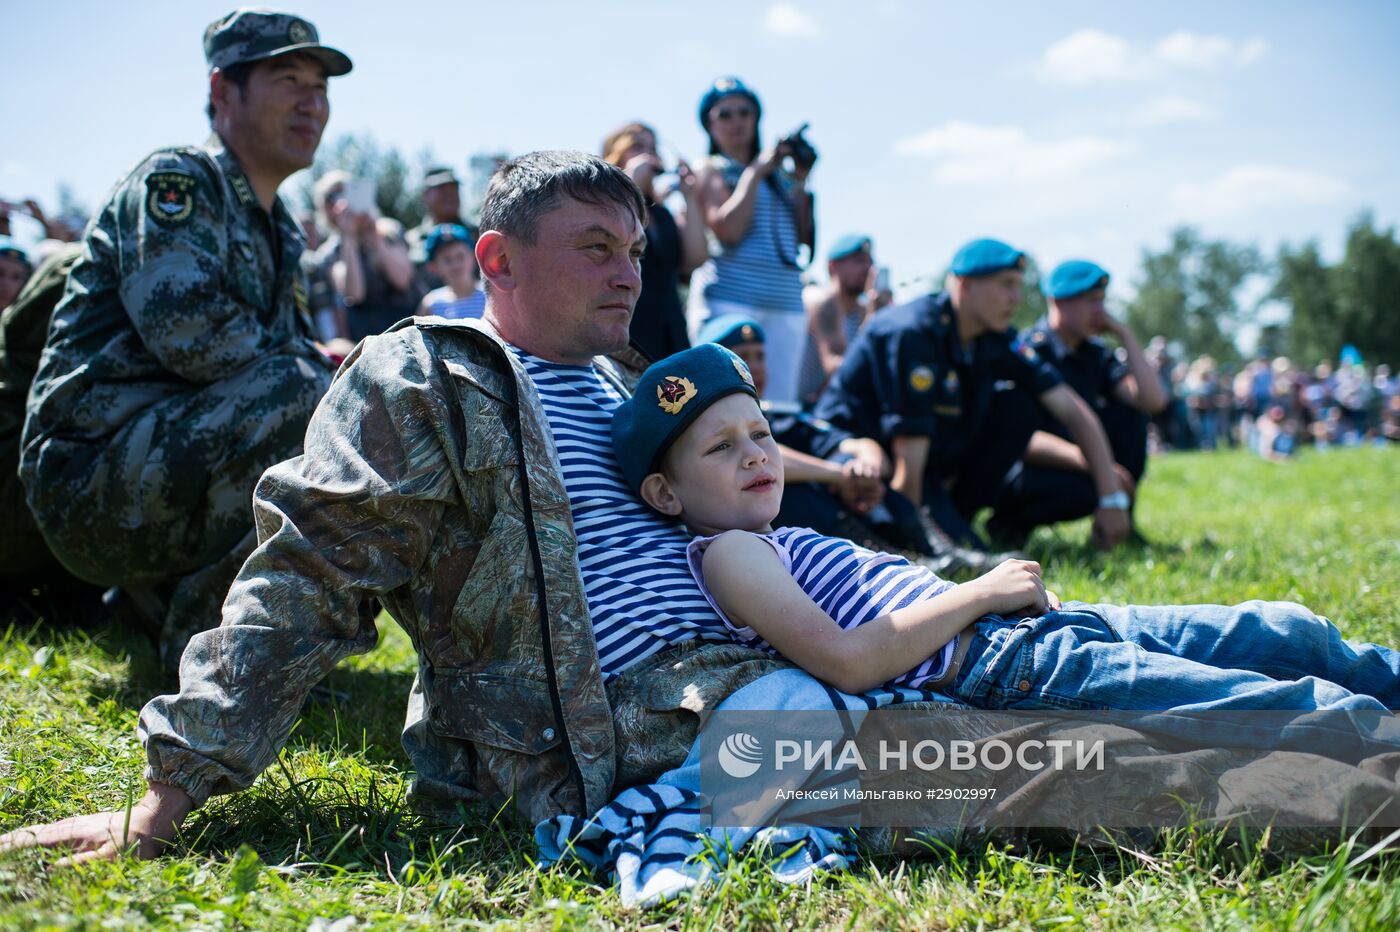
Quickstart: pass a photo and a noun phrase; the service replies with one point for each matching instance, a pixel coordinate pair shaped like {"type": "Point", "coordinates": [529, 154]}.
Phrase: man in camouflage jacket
{"type": "Point", "coordinates": [430, 483]}
{"type": "Point", "coordinates": [180, 363]}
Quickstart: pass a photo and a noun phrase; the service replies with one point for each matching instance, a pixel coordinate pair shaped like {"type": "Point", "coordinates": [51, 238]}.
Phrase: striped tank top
{"type": "Point", "coordinates": [850, 583]}
{"type": "Point", "coordinates": [640, 593]}
{"type": "Point", "coordinates": [761, 271]}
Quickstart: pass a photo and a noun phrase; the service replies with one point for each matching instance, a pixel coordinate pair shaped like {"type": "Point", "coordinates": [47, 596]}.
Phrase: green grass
{"type": "Point", "coordinates": [325, 832]}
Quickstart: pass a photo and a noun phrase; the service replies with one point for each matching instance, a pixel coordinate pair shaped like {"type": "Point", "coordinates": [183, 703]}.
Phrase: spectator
{"type": "Point", "coordinates": [835, 313]}
{"type": "Point", "coordinates": [450, 257]}
{"type": "Point", "coordinates": [1200, 390]}
{"type": "Point", "coordinates": [442, 199]}
{"type": "Point", "coordinates": [835, 481]}
{"type": "Point", "coordinates": [14, 271]}
{"type": "Point", "coordinates": [760, 214]}
{"type": "Point", "coordinates": [27, 564]}
{"type": "Point", "coordinates": [952, 399]}
{"type": "Point", "coordinates": [1055, 483]}
{"type": "Point", "coordinates": [675, 242]}
{"type": "Point", "coordinates": [180, 364]}
{"type": "Point", "coordinates": [366, 262]}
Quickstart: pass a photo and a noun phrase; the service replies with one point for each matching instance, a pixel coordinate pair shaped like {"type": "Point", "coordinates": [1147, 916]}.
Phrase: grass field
{"type": "Point", "coordinates": [323, 839]}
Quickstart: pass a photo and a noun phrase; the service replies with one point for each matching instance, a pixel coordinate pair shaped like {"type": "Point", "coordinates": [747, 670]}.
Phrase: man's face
{"type": "Point", "coordinates": [13, 274]}
{"type": "Point", "coordinates": [852, 273]}
{"type": "Point", "coordinates": [576, 285]}
{"type": "Point", "coordinates": [455, 264]}
{"type": "Point", "coordinates": [755, 356]}
{"type": "Point", "coordinates": [726, 469]}
{"type": "Point", "coordinates": [990, 300]}
{"type": "Point", "coordinates": [443, 202]}
{"type": "Point", "coordinates": [275, 123]}
{"type": "Point", "coordinates": [1081, 316]}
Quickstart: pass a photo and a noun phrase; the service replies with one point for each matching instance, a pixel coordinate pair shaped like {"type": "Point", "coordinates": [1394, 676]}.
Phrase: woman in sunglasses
{"type": "Point", "coordinates": [758, 213]}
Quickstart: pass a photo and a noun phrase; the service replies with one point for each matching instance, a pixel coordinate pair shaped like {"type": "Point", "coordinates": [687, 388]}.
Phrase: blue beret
{"type": "Point", "coordinates": [731, 330]}
{"type": "Point", "coordinates": [446, 233]}
{"type": "Point", "coordinates": [1075, 277]}
{"type": "Point", "coordinates": [670, 395]}
{"type": "Point", "coordinates": [9, 247]}
{"type": "Point", "coordinates": [848, 245]}
{"type": "Point", "coordinates": [986, 257]}
{"type": "Point", "coordinates": [723, 87]}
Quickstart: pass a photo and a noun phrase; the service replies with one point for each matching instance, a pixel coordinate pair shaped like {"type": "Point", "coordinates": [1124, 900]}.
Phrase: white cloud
{"type": "Point", "coordinates": [1092, 55]}
{"type": "Point", "coordinates": [1170, 108]}
{"type": "Point", "coordinates": [1191, 50]}
{"type": "Point", "coordinates": [1246, 189]}
{"type": "Point", "coordinates": [788, 20]}
{"type": "Point", "coordinates": [966, 152]}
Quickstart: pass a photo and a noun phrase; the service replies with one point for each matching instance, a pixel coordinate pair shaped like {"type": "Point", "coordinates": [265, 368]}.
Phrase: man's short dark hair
{"type": "Point", "coordinates": [237, 73]}
{"type": "Point", "coordinates": [526, 188]}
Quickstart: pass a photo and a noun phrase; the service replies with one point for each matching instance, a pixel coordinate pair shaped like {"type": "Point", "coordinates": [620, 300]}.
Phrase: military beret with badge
{"type": "Point", "coordinates": [669, 396]}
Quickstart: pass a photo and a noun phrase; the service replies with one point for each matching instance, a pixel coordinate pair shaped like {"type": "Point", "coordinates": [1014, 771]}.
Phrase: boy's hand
{"type": "Point", "coordinates": [1014, 586]}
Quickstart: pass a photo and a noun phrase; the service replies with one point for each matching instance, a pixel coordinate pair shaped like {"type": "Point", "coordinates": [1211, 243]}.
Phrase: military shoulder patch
{"type": "Point", "coordinates": [170, 197]}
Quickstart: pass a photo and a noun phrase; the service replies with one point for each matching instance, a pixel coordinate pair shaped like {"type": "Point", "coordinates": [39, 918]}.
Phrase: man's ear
{"type": "Point", "coordinates": [219, 89]}
{"type": "Point", "coordinates": [493, 259]}
{"type": "Point", "coordinates": [657, 492]}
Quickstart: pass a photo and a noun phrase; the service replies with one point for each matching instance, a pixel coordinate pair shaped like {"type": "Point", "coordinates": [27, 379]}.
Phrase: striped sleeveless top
{"type": "Point", "coordinates": [850, 583]}
{"type": "Point", "coordinates": [761, 271]}
{"type": "Point", "coordinates": [640, 593]}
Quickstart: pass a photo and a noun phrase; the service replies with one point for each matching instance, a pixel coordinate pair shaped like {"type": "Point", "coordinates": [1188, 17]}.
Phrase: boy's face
{"type": "Point", "coordinates": [724, 473]}
{"type": "Point", "coordinates": [455, 264]}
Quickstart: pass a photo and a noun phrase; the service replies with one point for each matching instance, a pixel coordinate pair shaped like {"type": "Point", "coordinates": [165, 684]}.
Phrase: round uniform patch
{"type": "Point", "coordinates": [673, 393]}
{"type": "Point", "coordinates": [921, 378]}
{"type": "Point", "coordinates": [170, 197]}
{"type": "Point", "coordinates": [297, 33]}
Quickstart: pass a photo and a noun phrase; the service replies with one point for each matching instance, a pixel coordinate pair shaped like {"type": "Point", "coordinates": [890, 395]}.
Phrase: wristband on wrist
{"type": "Point", "coordinates": [1118, 501]}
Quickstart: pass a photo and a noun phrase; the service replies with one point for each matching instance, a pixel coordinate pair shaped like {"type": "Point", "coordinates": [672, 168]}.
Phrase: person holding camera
{"type": "Point", "coordinates": [758, 213]}
{"type": "Point", "coordinates": [675, 242]}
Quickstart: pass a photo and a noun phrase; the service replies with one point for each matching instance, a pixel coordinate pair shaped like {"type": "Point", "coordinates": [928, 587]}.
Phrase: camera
{"type": "Point", "coordinates": [804, 154]}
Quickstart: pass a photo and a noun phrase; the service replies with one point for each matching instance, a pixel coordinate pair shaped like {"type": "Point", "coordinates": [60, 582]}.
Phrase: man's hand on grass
{"type": "Point", "coordinates": [143, 830]}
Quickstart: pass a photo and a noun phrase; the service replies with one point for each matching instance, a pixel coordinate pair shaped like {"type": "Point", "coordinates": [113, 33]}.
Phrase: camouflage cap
{"type": "Point", "coordinates": [251, 35]}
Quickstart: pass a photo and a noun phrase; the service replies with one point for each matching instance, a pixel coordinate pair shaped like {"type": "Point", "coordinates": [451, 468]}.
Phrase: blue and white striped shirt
{"type": "Point", "coordinates": [850, 583]}
{"type": "Point", "coordinates": [761, 271]}
{"type": "Point", "coordinates": [641, 595]}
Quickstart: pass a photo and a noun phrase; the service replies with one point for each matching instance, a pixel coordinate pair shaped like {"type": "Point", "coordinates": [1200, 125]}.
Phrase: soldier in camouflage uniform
{"type": "Point", "coordinates": [180, 363]}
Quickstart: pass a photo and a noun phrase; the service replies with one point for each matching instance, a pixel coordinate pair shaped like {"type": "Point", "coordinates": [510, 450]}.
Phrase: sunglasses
{"type": "Point", "coordinates": [727, 113]}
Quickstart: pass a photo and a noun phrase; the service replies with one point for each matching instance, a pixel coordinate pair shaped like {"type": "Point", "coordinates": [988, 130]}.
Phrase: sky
{"type": "Point", "coordinates": [1070, 129]}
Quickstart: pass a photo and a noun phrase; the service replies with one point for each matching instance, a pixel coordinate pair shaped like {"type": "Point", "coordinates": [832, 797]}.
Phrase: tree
{"type": "Point", "coordinates": [361, 156]}
{"type": "Point", "coordinates": [1366, 287]}
{"type": "Point", "coordinates": [1189, 294]}
{"type": "Point", "coordinates": [1033, 305]}
{"type": "Point", "coordinates": [1305, 284]}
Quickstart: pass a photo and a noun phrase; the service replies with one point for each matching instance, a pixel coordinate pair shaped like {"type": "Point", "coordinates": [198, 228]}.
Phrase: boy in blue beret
{"type": "Point", "coordinates": [1122, 388]}
{"type": "Point", "coordinates": [694, 444]}
{"type": "Point", "coordinates": [835, 481]}
{"type": "Point", "coordinates": [953, 396]}
{"type": "Point", "coordinates": [449, 253]}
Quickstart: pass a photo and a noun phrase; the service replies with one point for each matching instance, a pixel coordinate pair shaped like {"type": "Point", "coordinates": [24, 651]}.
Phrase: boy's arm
{"type": "Point", "coordinates": [754, 589]}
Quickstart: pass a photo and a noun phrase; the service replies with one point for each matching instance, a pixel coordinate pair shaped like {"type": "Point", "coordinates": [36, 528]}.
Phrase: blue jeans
{"type": "Point", "coordinates": [1190, 661]}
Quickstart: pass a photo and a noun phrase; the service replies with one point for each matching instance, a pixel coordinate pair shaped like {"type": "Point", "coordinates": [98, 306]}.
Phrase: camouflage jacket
{"type": "Point", "coordinates": [430, 483]}
{"type": "Point", "coordinates": [183, 279]}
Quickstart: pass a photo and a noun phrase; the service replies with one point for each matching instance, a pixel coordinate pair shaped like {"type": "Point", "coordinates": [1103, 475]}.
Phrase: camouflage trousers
{"type": "Point", "coordinates": [163, 508]}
